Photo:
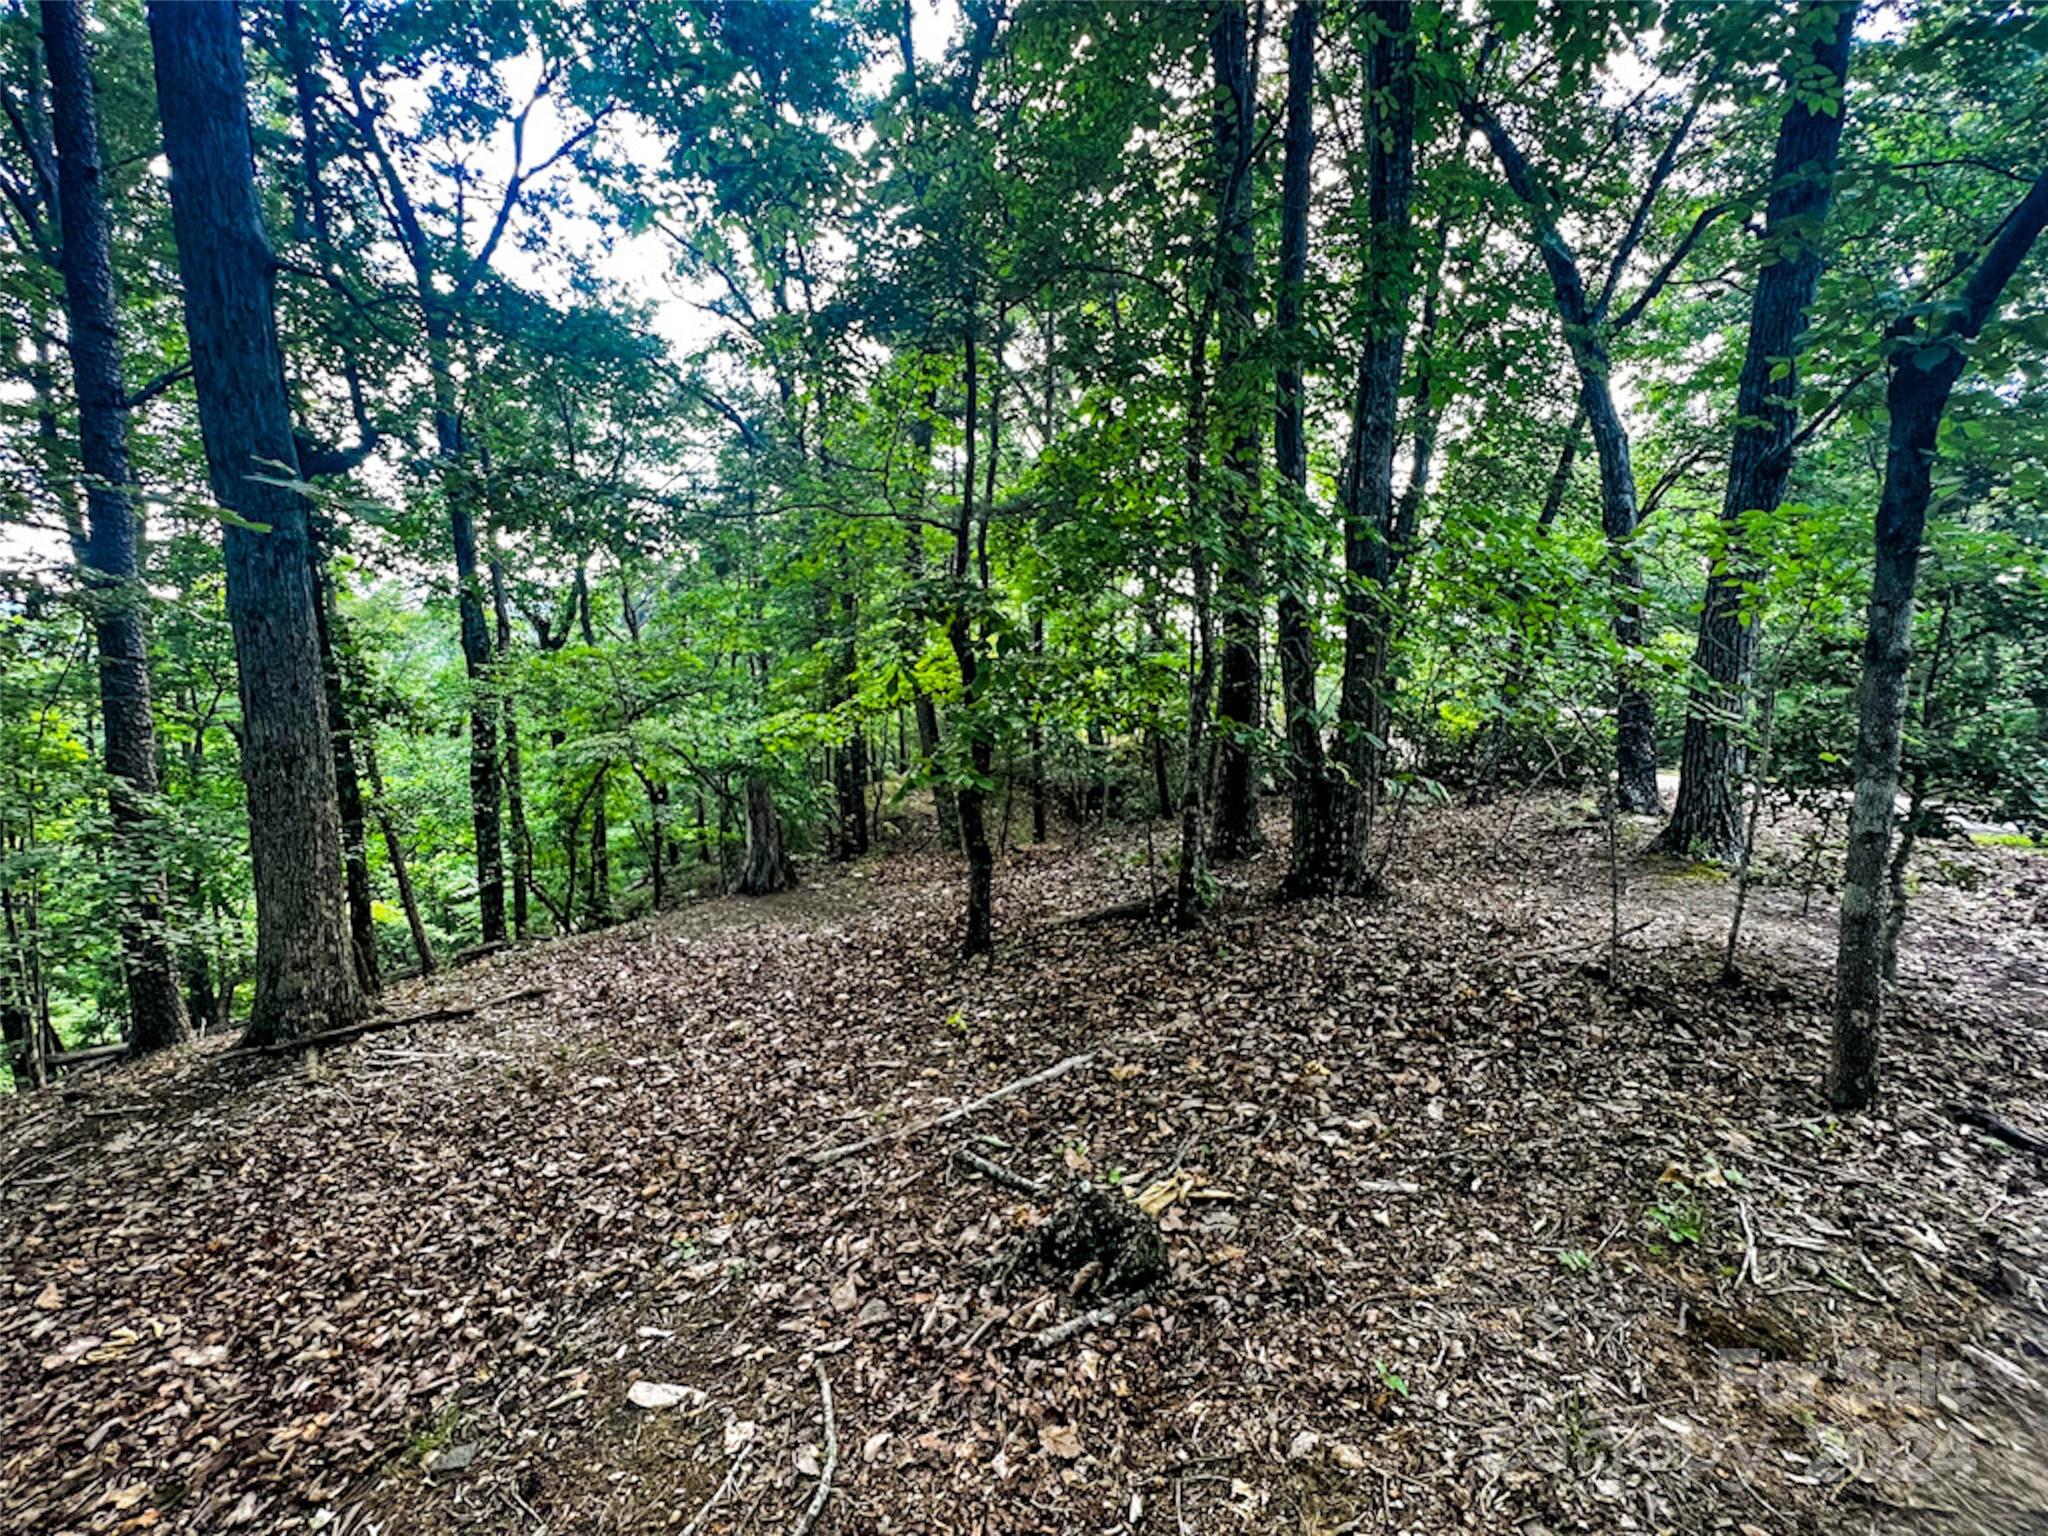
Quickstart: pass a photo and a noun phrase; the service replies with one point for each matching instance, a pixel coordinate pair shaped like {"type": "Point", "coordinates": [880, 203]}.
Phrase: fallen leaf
{"type": "Point", "coordinates": [1061, 1440]}
{"type": "Point", "coordinates": [664, 1394]}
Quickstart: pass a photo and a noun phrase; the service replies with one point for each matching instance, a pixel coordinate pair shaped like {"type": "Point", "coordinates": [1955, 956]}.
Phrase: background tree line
{"type": "Point", "coordinates": [478, 472]}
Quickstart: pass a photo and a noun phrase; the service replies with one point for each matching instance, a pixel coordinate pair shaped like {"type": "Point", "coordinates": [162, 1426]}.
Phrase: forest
{"type": "Point", "coordinates": [1141, 765]}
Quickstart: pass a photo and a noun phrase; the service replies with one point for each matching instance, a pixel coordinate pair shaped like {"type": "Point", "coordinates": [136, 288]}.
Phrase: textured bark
{"type": "Point", "coordinates": [1707, 816]}
{"type": "Point", "coordinates": [1372, 550]}
{"type": "Point", "coordinates": [1315, 855]}
{"type": "Point", "coordinates": [112, 558]}
{"type": "Point", "coordinates": [851, 762]}
{"type": "Point", "coordinates": [1188, 892]}
{"type": "Point", "coordinates": [305, 973]}
{"type": "Point", "coordinates": [348, 789]}
{"type": "Point", "coordinates": [1924, 369]}
{"type": "Point", "coordinates": [767, 868]}
{"type": "Point", "coordinates": [944, 803]}
{"type": "Point", "coordinates": [1239, 597]}
{"type": "Point", "coordinates": [1037, 740]}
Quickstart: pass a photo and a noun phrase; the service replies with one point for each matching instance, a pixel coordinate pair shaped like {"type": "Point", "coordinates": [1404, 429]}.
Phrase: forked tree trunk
{"type": "Point", "coordinates": [1924, 369]}
{"type": "Point", "coordinates": [1707, 816]}
{"type": "Point", "coordinates": [114, 588]}
{"type": "Point", "coordinates": [305, 973]}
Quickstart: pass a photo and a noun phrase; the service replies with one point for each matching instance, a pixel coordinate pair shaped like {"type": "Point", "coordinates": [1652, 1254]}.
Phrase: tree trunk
{"type": "Point", "coordinates": [394, 855]}
{"type": "Point", "coordinates": [114, 590]}
{"type": "Point", "coordinates": [1036, 742]}
{"type": "Point", "coordinates": [1585, 329]}
{"type": "Point", "coordinates": [1707, 816]}
{"type": "Point", "coordinates": [458, 490]}
{"type": "Point", "coordinates": [1924, 369]}
{"type": "Point", "coordinates": [768, 868]}
{"type": "Point", "coordinates": [305, 974]}
{"type": "Point", "coordinates": [851, 763]}
{"type": "Point", "coordinates": [515, 778]}
{"type": "Point", "coordinates": [348, 789]}
{"type": "Point", "coordinates": [1191, 879]}
{"type": "Point", "coordinates": [1372, 552]}
{"type": "Point", "coordinates": [1314, 848]}
{"type": "Point", "coordinates": [1240, 601]}
{"type": "Point", "coordinates": [979, 938]}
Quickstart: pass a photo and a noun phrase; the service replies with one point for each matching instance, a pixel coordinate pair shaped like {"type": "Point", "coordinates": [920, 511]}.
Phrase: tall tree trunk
{"type": "Point", "coordinates": [1924, 368]}
{"type": "Point", "coordinates": [305, 973]}
{"type": "Point", "coordinates": [1707, 816]}
{"type": "Point", "coordinates": [598, 906]}
{"type": "Point", "coordinates": [515, 777]}
{"type": "Point", "coordinates": [979, 938]}
{"type": "Point", "coordinates": [1191, 879]}
{"type": "Point", "coordinates": [458, 489]}
{"type": "Point", "coordinates": [1239, 591]}
{"type": "Point", "coordinates": [1314, 856]}
{"type": "Point", "coordinates": [1372, 552]}
{"type": "Point", "coordinates": [851, 762]}
{"type": "Point", "coordinates": [348, 789]}
{"type": "Point", "coordinates": [767, 868]}
{"type": "Point", "coordinates": [394, 855]}
{"type": "Point", "coordinates": [1585, 328]}
{"type": "Point", "coordinates": [1036, 742]}
{"type": "Point", "coordinates": [114, 587]}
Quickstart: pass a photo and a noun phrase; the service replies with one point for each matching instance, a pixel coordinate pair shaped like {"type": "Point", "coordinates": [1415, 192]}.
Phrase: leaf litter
{"type": "Point", "coordinates": [1460, 1232]}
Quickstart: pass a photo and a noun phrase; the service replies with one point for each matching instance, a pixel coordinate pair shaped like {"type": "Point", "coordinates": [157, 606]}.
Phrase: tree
{"type": "Point", "coordinates": [305, 973]}
{"type": "Point", "coordinates": [1707, 815]}
{"type": "Point", "coordinates": [1234, 481]}
{"type": "Point", "coordinates": [1590, 322]}
{"type": "Point", "coordinates": [1372, 542]}
{"type": "Point", "coordinates": [1924, 361]}
{"type": "Point", "coordinates": [114, 588]}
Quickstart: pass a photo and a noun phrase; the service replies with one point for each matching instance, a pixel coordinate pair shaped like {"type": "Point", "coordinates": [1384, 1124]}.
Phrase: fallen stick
{"type": "Point", "coordinates": [1999, 1130]}
{"type": "Point", "coordinates": [1073, 1327]}
{"type": "Point", "coordinates": [379, 1024]}
{"type": "Point", "coordinates": [998, 1173]}
{"type": "Point", "coordinates": [824, 1489]}
{"type": "Point", "coordinates": [1386, 1187]}
{"type": "Point", "coordinates": [718, 1494]}
{"type": "Point", "coordinates": [830, 1155]}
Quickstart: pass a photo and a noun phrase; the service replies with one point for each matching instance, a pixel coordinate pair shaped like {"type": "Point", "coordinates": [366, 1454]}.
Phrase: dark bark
{"type": "Point", "coordinates": [114, 590]}
{"type": "Point", "coordinates": [1372, 551]}
{"type": "Point", "coordinates": [1189, 893]}
{"type": "Point", "coordinates": [348, 789]}
{"type": "Point", "coordinates": [979, 938]}
{"type": "Point", "coordinates": [305, 974]}
{"type": "Point", "coordinates": [1314, 843]}
{"type": "Point", "coordinates": [515, 778]}
{"type": "Point", "coordinates": [1239, 593]}
{"type": "Point", "coordinates": [401, 872]}
{"type": "Point", "coordinates": [598, 902]}
{"type": "Point", "coordinates": [1924, 368]}
{"type": "Point", "coordinates": [767, 868]}
{"type": "Point", "coordinates": [1707, 817]}
{"type": "Point", "coordinates": [851, 762]}
{"type": "Point", "coordinates": [1037, 741]}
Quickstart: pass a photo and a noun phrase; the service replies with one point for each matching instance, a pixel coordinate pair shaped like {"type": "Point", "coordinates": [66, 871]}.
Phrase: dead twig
{"type": "Point", "coordinates": [718, 1494]}
{"type": "Point", "coordinates": [831, 1155]}
{"type": "Point", "coordinates": [824, 1489]}
{"type": "Point", "coordinates": [1999, 1130]}
{"type": "Point", "coordinates": [1110, 1312]}
{"type": "Point", "coordinates": [997, 1173]}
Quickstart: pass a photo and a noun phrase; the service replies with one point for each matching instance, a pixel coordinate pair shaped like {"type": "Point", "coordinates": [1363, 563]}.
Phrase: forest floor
{"type": "Point", "coordinates": [1465, 1233]}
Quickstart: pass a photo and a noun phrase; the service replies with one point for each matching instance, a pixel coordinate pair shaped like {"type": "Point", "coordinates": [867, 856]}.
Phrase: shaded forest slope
{"type": "Point", "coordinates": [1464, 1232]}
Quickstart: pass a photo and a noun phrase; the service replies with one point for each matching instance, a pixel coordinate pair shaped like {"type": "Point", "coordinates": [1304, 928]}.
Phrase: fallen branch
{"type": "Point", "coordinates": [88, 1056]}
{"type": "Point", "coordinates": [718, 1494]}
{"type": "Point", "coordinates": [1386, 1187]}
{"type": "Point", "coordinates": [830, 1155]}
{"type": "Point", "coordinates": [380, 1023]}
{"type": "Point", "coordinates": [824, 1489]}
{"type": "Point", "coordinates": [998, 1173]}
{"type": "Point", "coordinates": [1997, 1129]}
{"type": "Point", "coordinates": [1074, 1327]}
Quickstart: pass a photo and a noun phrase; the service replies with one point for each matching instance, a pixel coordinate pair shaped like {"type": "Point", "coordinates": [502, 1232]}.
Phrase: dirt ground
{"type": "Point", "coordinates": [1465, 1232]}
